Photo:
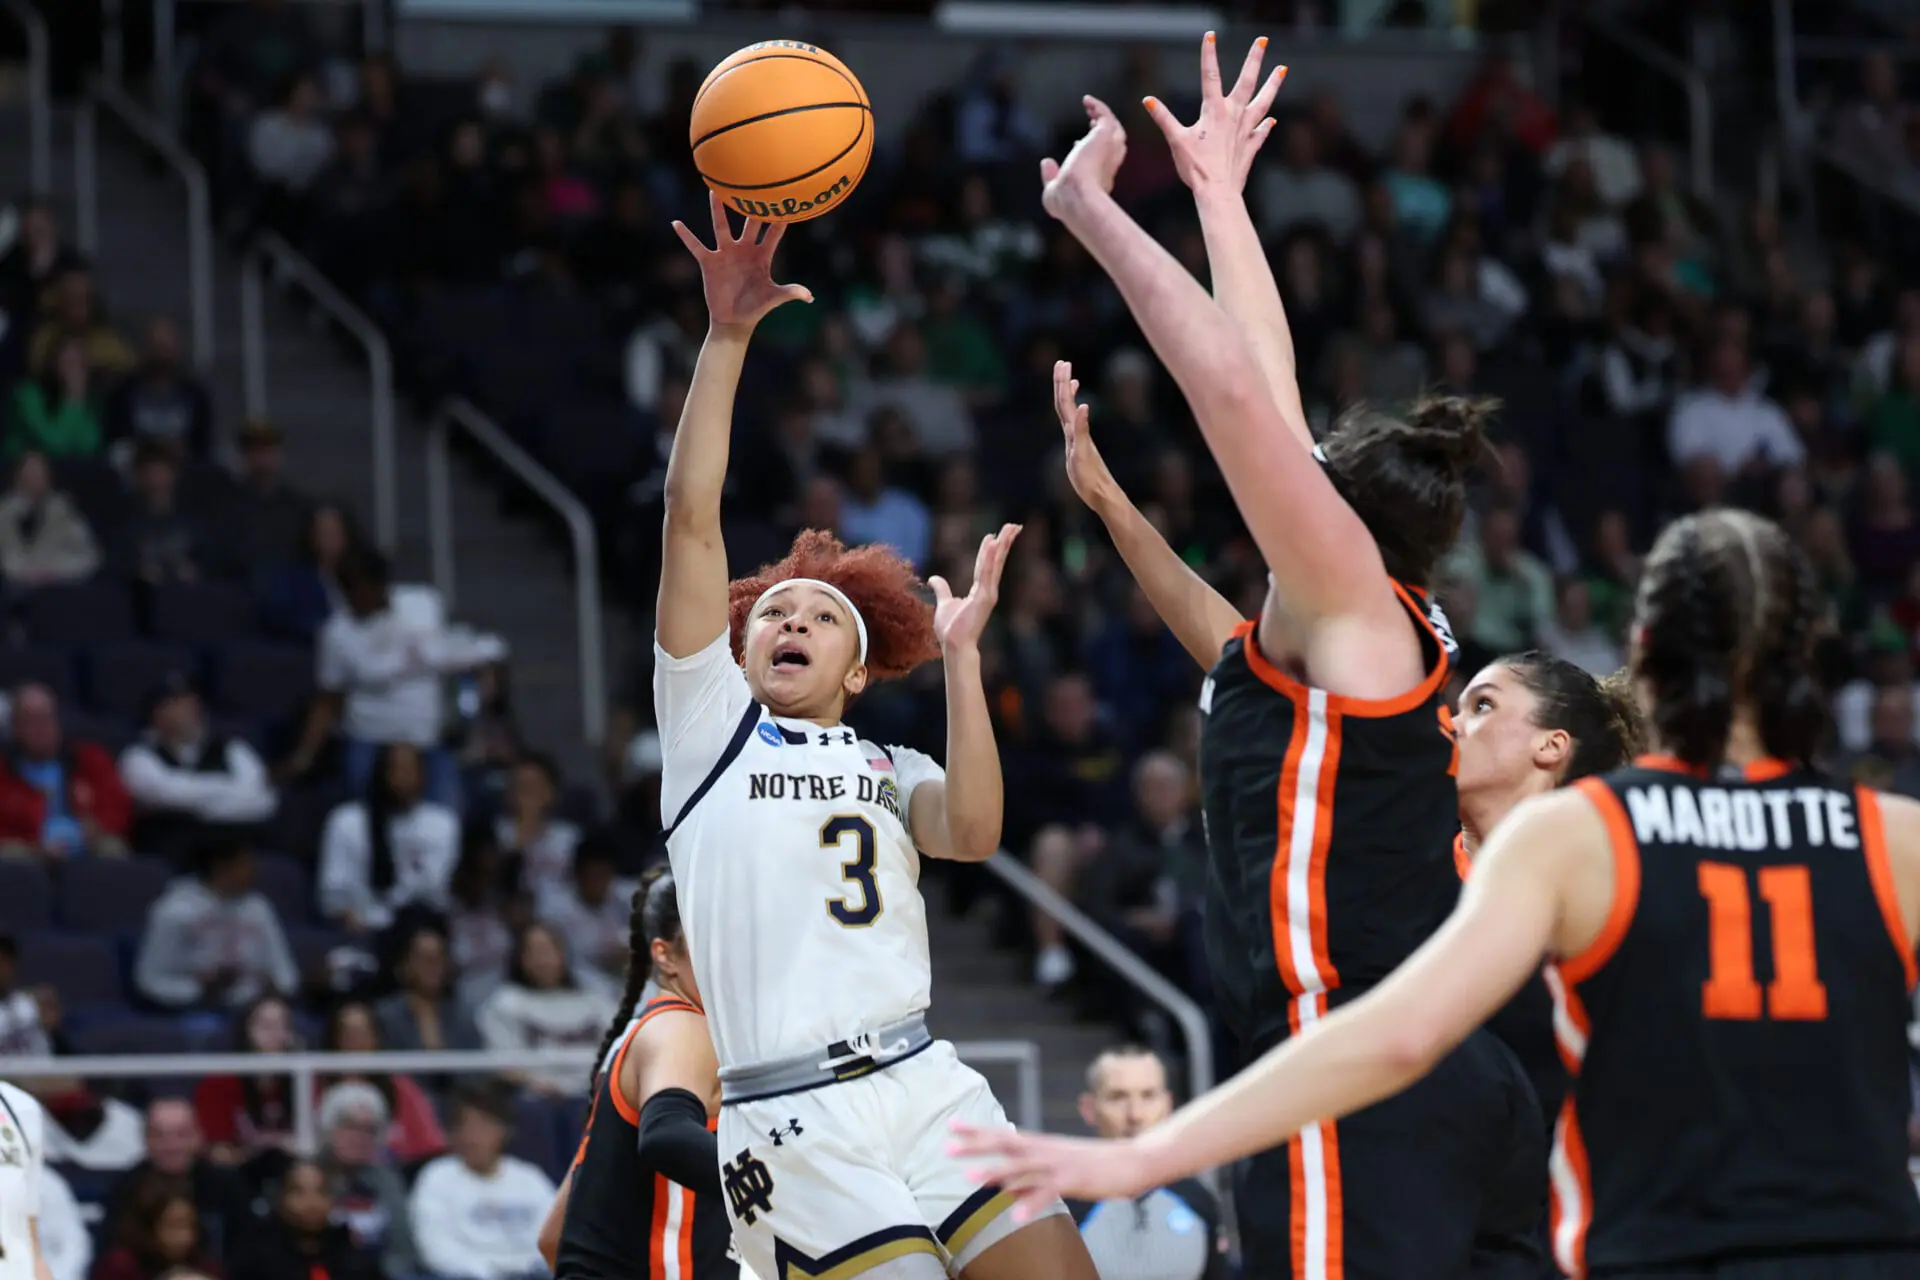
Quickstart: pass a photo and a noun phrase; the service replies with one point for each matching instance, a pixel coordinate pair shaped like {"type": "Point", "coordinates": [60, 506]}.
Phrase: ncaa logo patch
{"type": "Point", "coordinates": [770, 734]}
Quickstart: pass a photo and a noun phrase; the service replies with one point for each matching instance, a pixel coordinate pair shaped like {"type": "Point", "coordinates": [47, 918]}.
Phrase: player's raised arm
{"type": "Point", "coordinates": [1324, 561]}
{"type": "Point", "coordinates": [1509, 918]}
{"type": "Point", "coordinates": [959, 817]}
{"type": "Point", "coordinates": [692, 608]}
{"type": "Point", "coordinates": [1212, 156]}
{"type": "Point", "coordinates": [1199, 616]}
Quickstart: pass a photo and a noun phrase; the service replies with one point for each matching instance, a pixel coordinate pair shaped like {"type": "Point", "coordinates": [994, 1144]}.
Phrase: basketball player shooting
{"type": "Point", "coordinates": [796, 850]}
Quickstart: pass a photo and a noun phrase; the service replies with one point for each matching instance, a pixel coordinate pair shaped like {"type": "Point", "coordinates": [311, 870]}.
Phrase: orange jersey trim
{"type": "Point", "coordinates": [1626, 883]}
{"type": "Point", "coordinates": [1366, 708]}
{"type": "Point", "coordinates": [665, 1004]}
{"type": "Point", "coordinates": [1297, 885]}
{"type": "Point", "coordinates": [1765, 769]}
{"type": "Point", "coordinates": [1873, 843]}
{"type": "Point", "coordinates": [1316, 1216]}
{"type": "Point", "coordinates": [1462, 860]}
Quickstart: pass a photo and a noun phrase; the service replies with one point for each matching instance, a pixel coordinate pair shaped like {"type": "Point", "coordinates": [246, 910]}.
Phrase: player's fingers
{"type": "Point", "coordinates": [722, 226]}
{"type": "Point", "coordinates": [689, 239]}
{"type": "Point", "coordinates": [797, 292]}
{"type": "Point", "coordinates": [1100, 113]}
{"type": "Point", "coordinates": [1049, 169]}
{"type": "Point", "coordinates": [1249, 78]}
{"type": "Point", "coordinates": [1209, 68]}
{"type": "Point", "coordinates": [1158, 113]}
{"type": "Point", "coordinates": [1082, 421]}
{"type": "Point", "coordinates": [769, 236]}
{"type": "Point", "coordinates": [1263, 101]}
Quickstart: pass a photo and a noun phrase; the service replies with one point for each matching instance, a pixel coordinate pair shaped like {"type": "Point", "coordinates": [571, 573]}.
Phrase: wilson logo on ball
{"type": "Point", "coordinates": [788, 208]}
{"type": "Point", "coordinates": [782, 131]}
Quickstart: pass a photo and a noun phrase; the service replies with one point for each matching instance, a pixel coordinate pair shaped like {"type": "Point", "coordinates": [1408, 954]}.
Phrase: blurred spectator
{"type": "Point", "coordinates": [1513, 590]}
{"type": "Point", "coordinates": [212, 939]}
{"type": "Point", "coordinates": [1616, 169]}
{"type": "Point", "coordinates": [1392, 370]}
{"type": "Point", "coordinates": [543, 1002]}
{"type": "Point", "coordinates": [44, 540]}
{"type": "Point", "coordinates": [37, 257]}
{"type": "Point", "coordinates": [1893, 422]}
{"type": "Point", "coordinates": [485, 734]}
{"type": "Point", "coordinates": [176, 1150]}
{"type": "Point", "coordinates": [414, 1131]}
{"type": "Point", "coordinates": [59, 798]}
{"type": "Point", "coordinates": [937, 415]}
{"type": "Point", "coordinates": [289, 146]}
{"type": "Point", "coordinates": [592, 910]}
{"type": "Point", "coordinates": [535, 841]}
{"type": "Point", "coordinates": [1146, 888]}
{"type": "Point", "coordinates": [1139, 669]}
{"type": "Point", "coordinates": [369, 1199]}
{"type": "Point", "coordinates": [380, 664]}
{"type": "Point", "coordinates": [304, 590]}
{"type": "Point", "coordinates": [159, 541]}
{"type": "Point", "coordinates": [1574, 634]}
{"type": "Point", "coordinates": [248, 1118]}
{"type": "Point", "coordinates": [73, 314]}
{"type": "Point", "coordinates": [391, 851]}
{"type": "Point", "coordinates": [187, 780]}
{"type": "Point", "coordinates": [1459, 303]}
{"type": "Point", "coordinates": [57, 412]}
{"type": "Point", "coordinates": [23, 1031]}
{"type": "Point", "coordinates": [1891, 760]}
{"type": "Point", "coordinates": [662, 349]}
{"type": "Point", "coordinates": [1726, 427]}
{"type": "Point", "coordinates": [424, 1013]}
{"type": "Point", "coordinates": [1174, 1232]}
{"type": "Point", "coordinates": [476, 1212]}
{"type": "Point", "coordinates": [250, 52]}
{"type": "Point", "coordinates": [1885, 537]}
{"type": "Point", "coordinates": [874, 511]}
{"type": "Point", "coordinates": [1301, 190]}
{"type": "Point", "coordinates": [480, 924]}
{"type": "Point", "coordinates": [1871, 131]}
{"type": "Point", "coordinates": [1674, 217]}
{"type": "Point", "coordinates": [158, 1230]}
{"type": "Point", "coordinates": [1421, 204]}
{"type": "Point", "coordinates": [299, 1237]}
{"type": "Point", "coordinates": [161, 401]}
{"type": "Point", "coordinates": [60, 1229]}
{"type": "Point", "coordinates": [991, 126]}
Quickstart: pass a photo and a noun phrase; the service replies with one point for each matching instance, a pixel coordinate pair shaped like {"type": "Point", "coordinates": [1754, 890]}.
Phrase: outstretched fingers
{"type": "Point", "coordinates": [1262, 102]}
{"type": "Point", "coordinates": [1209, 68]}
{"type": "Point", "coordinates": [722, 226]}
{"type": "Point", "coordinates": [1157, 112]}
{"type": "Point", "coordinates": [1250, 72]}
{"type": "Point", "coordinates": [1063, 389]}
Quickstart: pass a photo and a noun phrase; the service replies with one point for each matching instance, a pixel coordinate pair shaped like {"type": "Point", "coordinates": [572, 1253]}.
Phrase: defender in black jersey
{"type": "Point", "coordinates": [642, 1201]}
{"type": "Point", "coordinates": [1734, 966]}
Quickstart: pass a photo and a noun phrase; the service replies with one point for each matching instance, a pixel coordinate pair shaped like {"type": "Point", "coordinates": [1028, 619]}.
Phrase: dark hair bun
{"type": "Point", "coordinates": [1455, 426]}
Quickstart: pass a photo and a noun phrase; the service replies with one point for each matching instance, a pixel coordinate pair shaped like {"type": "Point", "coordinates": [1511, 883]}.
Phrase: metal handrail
{"type": "Point", "coordinates": [193, 176]}
{"type": "Point", "coordinates": [39, 91]}
{"type": "Point", "coordinates": [1865, 176]}
{"type": "Point", "coordinates": [1111, 952]}
{"type": "Point", "coordinates": [461, 413]}
{"type": "Point", "coordinates": [1699, 98]}
{"type": "Point", "coordinates": [291, 267]}
{"type": "Point", "coordinates": [1024, 1055]}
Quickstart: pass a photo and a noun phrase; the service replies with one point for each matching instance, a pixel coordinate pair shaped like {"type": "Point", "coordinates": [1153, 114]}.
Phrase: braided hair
{"type": "Point", "coordinates": [655, 915]}
{"type": "Point", "coordinates": [1601, 716]}
{"type": "Point", "coordinates": [1727, 610]}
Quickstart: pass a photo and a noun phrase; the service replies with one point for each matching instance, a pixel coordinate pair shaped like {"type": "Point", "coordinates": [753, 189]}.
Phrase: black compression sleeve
{"type": "Point", "coordinates": [675, 1141]}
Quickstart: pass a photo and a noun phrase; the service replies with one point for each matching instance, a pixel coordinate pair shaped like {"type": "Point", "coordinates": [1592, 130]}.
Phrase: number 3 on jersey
{"type": "Point", "coordinates": [1731, 992]}
{"type": "Point", "coordinates": [854, 910]}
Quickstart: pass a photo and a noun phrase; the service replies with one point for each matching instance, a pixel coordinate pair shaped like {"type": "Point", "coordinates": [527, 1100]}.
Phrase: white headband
{"type": "Point", "coordinates": [859, 623]}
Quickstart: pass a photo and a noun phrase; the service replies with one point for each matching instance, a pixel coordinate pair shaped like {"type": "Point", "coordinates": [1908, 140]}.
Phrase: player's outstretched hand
{"type": "Point", "coordinates": [1039, 1168]}
{"type": "Point", "coordinates": [1086, 469]}
{"type": "Point", "coordinates": [738, 270]}
{"type": "Point", "coordinates": [958, 621]}
{"type": "Point", "coordinates": [1089, 168]}
{"type": "Point", "coordinates": [1217, 149]}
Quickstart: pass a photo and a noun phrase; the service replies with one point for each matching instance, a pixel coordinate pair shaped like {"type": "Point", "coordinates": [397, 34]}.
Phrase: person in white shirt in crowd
{"type": "Point", "coordinates": [380, 665]}
{"type": "Point", "coordinates": [23, 1033]}
{"type": "Point", "coordinates": [212, 940]}
{"type": "Point", "coordinates": [44, 538]}
{"type": "Point", "coordinates": [543, 1002]}
{"type": "Point", "coordinates": [1727, 428]}
{"type": "Point", "coordinates": [537, 844]}
{"type": "Point", "coordinates": [393, 850]}
{"type": "Point", "coordinates": [289, 145]}
{"type": "Point", "coordinates": [476, 1212]}
{"type": "Point", "coordinates": [482, 918]}
{"type": "Point", "coordinates": [591, 910]}
{"type": "Point", "coordinates": [1615, 164]}
{"type": "Point", "coordinates": [186, 780]}
{"type": "Point", "coordinates": [22, 1160]}
{"type": "Point", "coordinates": [65, 1242]}
{"type": "Point", "coordinates": [1572, 633]}
{"type": "Point", "coordinates": [1300, 190]}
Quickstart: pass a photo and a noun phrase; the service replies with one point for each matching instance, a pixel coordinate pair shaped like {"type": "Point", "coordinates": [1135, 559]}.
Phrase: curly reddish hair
{"type": "Point", "coordinates": [882, 586]}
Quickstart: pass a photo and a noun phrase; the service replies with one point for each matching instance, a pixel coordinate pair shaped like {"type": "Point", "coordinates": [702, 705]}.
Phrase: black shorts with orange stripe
{"type": "Point", "coordinates": [1737, 1035]}
{"type": "Point", "coordinates": [625, 1222]}
{"type": "Point", "coordinates": [1445, 1181]}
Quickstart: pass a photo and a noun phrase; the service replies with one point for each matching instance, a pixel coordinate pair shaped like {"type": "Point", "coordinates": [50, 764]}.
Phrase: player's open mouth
{"type": "Point", "coordinates": [783, 658]}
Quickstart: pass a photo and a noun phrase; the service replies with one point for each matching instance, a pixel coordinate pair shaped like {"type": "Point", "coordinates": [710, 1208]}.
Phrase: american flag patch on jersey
{"type": "Point", "coordinates": [880, 764]}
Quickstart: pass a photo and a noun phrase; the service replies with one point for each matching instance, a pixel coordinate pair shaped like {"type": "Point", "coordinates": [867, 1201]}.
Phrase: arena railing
{"type": "Point", "coordinates": [460, 414]}
{"type": "Point", "coordinates": [1690, 81]}
{"type": "Point", "coordinates": [304, 1068]}
{"type": "Point", "coordinates": [270, 254]}
{"type": "Point", "coordinates": [1850, 201]}
{"type": "Point", "coordinates": [152, 133]}
{"type": "Point", "coordinates": [39, 91]}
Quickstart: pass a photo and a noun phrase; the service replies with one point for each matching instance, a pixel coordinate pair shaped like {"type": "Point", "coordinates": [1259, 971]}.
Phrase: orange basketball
{"type": "Point", "coordinates": [782, 131]}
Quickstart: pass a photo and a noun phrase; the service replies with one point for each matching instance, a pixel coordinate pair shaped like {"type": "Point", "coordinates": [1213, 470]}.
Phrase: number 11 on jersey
{"type": "Point", "coordinates": [1731, 992]}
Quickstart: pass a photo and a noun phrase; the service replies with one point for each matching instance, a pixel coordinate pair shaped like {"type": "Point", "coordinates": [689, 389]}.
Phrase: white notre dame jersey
{"type": "Point", "coordinates": [798, 882]}
{"type": "Point", "coordinates": [22, 1154]}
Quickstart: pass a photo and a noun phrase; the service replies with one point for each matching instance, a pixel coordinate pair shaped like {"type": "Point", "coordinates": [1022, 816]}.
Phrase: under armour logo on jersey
{"type": "Point", "coordinates": [791, 1129]}
{"type": "Point", "coordinates": [749, 1186]}
{"type": "Point", "coordinates": [842, 736]}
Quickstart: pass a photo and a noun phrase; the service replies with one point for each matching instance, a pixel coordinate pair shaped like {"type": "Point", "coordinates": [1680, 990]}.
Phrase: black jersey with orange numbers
{"type": "Point", "coordinates": [1330, 824]}
{"type": "Point", "coordinates": [1737, 1033]}
{"type": "Point", "coordinates": [627, 1223]}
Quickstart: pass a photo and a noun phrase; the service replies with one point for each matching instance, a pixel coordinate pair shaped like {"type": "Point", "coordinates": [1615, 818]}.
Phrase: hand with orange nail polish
{"type": "Point", "coordinates": [1217, 150]}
